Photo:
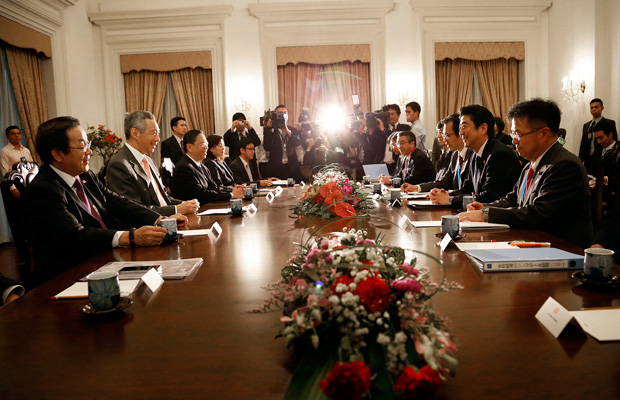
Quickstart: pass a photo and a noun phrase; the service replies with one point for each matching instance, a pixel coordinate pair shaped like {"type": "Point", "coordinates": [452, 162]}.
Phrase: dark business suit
{"type": "Point", "coordinates": [231, 140]}
{"type": "Point", "coordinates": [273, 142]}
{"type": "Point", "coordinates": [442, 165]}
{"type": "Point", "coordinates": [241, 175]}
{"type": "Point", "coordinates": [450, 180]}
{"type": "Point", "coordinates": [504, 138]}
{"type": "Point", "coordinates": [6, 283]}
{"type": "Point", "coordinates": [608, 234]}
{"type": "Point", "coordinates": [490, 176]}
{"type": "Point", "coordinates": [418, 168]}
{"type": "Point", "coordinates": [171, 149]}
{"type": "Point", "coordinates": [193, 181]}
{"type": "Point", "coordinates": [220, 172]}
{"type": "Point", "coordinates": [557, 202]}
{"type": "Point", "coordinates": [125, 175]}
{"type": "Point", "coordinates": [63, 232]}
{"type": "Point", "coordinates": [586, 141]}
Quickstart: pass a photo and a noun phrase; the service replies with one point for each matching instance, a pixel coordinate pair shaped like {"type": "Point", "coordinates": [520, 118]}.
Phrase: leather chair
{"type": "Point", "coordinates": [22, 174]}
{"type": "Point", "coordinates": [166, 171]}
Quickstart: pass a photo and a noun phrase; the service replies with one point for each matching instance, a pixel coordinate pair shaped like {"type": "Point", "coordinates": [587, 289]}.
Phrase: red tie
{"type": "Point", "coordinates": [461, 161]}
{"type": "Point", "coordinates": [530, 173]}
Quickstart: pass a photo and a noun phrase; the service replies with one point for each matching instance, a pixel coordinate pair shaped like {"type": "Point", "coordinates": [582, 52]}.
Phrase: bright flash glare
{"type": "Point", "coordinates": [333, 117]}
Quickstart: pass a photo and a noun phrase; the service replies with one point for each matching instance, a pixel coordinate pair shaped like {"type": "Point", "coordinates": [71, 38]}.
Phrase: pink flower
{"type": "Point", "coordinates": [408, 285]}
{"type": "Point", "coordinates": [409, 269]}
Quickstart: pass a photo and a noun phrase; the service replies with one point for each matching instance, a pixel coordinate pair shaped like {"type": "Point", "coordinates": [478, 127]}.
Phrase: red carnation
{"type": "Point", "coordinates": [347, 381]}
{"type": "Point", "coordinates": [417, 385]}
{"type": "Point", "coordinates": [318, 199]}
{"type": "Point", "coordinates": [374, 293]}
{"type": "Point", "coordinates": [345, 279]}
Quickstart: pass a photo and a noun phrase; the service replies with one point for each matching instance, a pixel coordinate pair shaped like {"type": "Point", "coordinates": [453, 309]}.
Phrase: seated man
{"type": "Point", "coordinates": [240, 129]}
{"type": "Point", "coordinates": [244, 167]}
{"type": "Point", "coordinates": [9, 290]}
{"type": "Point", "coordinates": [416, 166]}
{"type": "Point", "coordinates": [72, 215]}
{"type": "Point", "coordinates": [494, 167]}
{"type": "Point", "coordinates": [191, 177]}
{"type": "Point", "coordinates": [458, 168]}
{"type": "Point", "coordinates": [552, 193]}
{"type": "Point", "coordinates": [133, 174]}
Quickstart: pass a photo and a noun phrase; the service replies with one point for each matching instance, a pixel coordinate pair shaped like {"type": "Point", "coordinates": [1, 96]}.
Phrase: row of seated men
{"type": "Point", "coordinates": [72, 215]}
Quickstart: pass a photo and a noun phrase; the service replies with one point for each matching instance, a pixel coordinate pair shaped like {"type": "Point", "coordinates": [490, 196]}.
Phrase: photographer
{"type": "Point", "coordinates": [240, 129]}
{"type": "Point", "coordinates": [281, 141]}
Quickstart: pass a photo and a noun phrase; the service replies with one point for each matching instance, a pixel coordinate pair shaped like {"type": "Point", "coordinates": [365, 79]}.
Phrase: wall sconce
{"type": "Point", "coordinates": [242, 104]}
{"type": "Point", "coordinates": [404, 99]}
{"type": "Point", "coordinates": [573, 87]}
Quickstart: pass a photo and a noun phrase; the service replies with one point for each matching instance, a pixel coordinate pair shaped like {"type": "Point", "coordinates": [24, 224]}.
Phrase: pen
{"type": "Point", "coordinates": [529, 245]}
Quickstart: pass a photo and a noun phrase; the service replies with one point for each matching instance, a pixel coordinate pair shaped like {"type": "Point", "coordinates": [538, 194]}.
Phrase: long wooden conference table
{"type": "Point", "coordinates": [194, 339]}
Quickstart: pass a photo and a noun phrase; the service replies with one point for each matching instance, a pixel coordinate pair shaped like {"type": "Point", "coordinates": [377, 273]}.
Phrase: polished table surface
{"type": "Point", "coordinates": [194, 338]}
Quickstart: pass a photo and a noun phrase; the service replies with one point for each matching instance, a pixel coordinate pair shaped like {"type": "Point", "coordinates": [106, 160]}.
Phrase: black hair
{"type": "Point", "coordinates": [10, 128]}
{"type": "Point", "coordinates": [415, 106]}
{"type": "Point", "coordinates": [213, 141]}
{"type": "Point", "coordinates": [596, 100]}
{"type": "Point", "coordinates": [237, 116]}
{"type": "Point", "coordinates": [408, 135]}
{"type": "Point", "coordinates": [52, 134]}
{"type": "Point", "coordinates": [539, 113]}
{"type": "Point", "coordinates": [243, 143]}
{"type": "Point", "coordinates": [174, 121]}
{"type": "Point", "coordinates": [605, 126]}
{"type": "Point", "coordinates": [394, 107]}
{"type": "Point", "coordinates": [480, 115]}
{"type": "Point", "coordinates": [454, 118]}
{"type": "Point", "coordinates": [190, 137]}
{"type": "Point", "coordinates": [500, 124]}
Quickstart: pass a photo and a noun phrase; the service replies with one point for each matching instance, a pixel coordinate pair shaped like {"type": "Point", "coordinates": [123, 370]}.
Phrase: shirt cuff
{"type": "Point", "coordinates": [116, 239]}
{"type": "Point", "coordinates": [18, 289]}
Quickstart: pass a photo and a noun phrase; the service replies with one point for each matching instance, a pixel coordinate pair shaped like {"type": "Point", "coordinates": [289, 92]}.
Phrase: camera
{"type": "Point", "coordinates": [278, 119]}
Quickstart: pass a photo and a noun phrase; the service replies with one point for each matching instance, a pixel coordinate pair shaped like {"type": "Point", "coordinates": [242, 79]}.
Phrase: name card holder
{"type": "Point", "coordinates": [152, 279]}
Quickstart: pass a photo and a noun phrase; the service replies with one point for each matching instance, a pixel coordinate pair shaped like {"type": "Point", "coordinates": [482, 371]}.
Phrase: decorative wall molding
{"type": "Point", "coordinates": [485, 21]}
{"type": "Point", "coordinates": [143, 31]}
{"type": "Point", "coordinates": [323, 23]}
{"type": "Point", "coordinates": [45, 16]}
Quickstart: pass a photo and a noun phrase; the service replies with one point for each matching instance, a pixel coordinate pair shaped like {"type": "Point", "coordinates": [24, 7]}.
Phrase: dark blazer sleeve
{"type": "Point", "coordinates": [423, 170]}
{"type": "Point", "coordinates": [122, 179]}
{"type": "Point", "coordinates": [254, 137]}
{"type": "Point", "coordinates": [190, 183]}
{"type": "Point", "coordinates": [241, 175]}
{"type": "Point", "coordinates": [446, 181]}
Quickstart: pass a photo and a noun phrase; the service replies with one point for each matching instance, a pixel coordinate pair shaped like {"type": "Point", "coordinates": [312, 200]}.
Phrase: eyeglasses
{"type": "Point", "coordinates": [447, 135]}
{"type": "Point", "coordinates": [517, 136]}
{"type": "Point", "coordinates": [83, 148]}
{"type": "Point", "coordinates": [250, 149]}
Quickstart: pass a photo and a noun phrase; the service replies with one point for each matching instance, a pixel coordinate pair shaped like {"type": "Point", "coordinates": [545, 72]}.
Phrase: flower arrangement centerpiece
{"type": "Point", "coordinates": [332, 194]}
{"type": "Point", "coordinates": [360, 307]}
{"type": "Point", "coordinates": [104, 142]}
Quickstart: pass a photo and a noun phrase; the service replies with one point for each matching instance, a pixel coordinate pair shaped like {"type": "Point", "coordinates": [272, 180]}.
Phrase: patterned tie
{"type": "Point", "coordinates": [147, 169]}
{"type": "Point", "coordinates": [82, 195]}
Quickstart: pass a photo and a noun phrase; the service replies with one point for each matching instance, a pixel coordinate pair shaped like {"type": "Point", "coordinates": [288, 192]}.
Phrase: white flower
{"type": "Point", "coordinates": [333, 300]}
{"type": "Point", "coordinates": [400, 337]}
{"type": "Point", "coordinates": [383, 339]}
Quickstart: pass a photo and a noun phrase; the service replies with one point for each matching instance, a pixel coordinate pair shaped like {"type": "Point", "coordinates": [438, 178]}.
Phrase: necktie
{"type": "Point", "coordinates": [247, 168]}
{"type": "Point", "coordinates": [459, 168]}
{"type": "Point", "coordinates": [591, 136]}
{"type": "Point", "coordinates": [147, 169]}
{"type": "Point", "coordinates": [82, 195]}
{"type": "Point", "coordinates": [530, 173]}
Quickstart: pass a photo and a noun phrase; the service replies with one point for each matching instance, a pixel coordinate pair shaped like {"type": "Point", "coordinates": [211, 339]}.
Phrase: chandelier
{"type": "Point", "coordinates": [573, 87]}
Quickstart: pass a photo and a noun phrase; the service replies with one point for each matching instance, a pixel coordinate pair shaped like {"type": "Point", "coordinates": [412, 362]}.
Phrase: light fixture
{"type": "Point", "coordinates": [404, 99]}
{"type": "Point", "coordinates": [243, 104]}
{"type": "Point", "coordinates": [573, 87]}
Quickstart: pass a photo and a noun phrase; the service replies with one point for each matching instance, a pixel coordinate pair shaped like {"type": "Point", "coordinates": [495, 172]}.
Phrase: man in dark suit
{"type": "Point", "coordinates": [552, 193]}
{"type": "Point", "coordinates": [72, 214]}
{"type": "Point", "coordinates": [588, 146]}
{"type": "Point", "coordinates": [416, 166]}
{"type": "Point", "coordinates": [281, 141]}
{"type": "Point", "coordinates": [133, 174]}
{"type": "Point", "coordinates": [494, 167]}
{"type": "Point", "coordinates": [172, 147]}
{"type": "Point", "coordinates": [192, 180]}
{"type": "Point", "coordinates": [244, 167]}
{"type": "Point", "coordinates": [458, 168]}
{"type": "Point", "coordinates": [9, 290]}
{"type": "Point", "coordinates": [239, 130]}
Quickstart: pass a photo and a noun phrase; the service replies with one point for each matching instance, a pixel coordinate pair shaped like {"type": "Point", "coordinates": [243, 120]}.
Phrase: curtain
{"type": "Point", "coordinates": [193, 89]}
{"type": "Point", "coordinates": [26, 72]}
{"type": "Point", "coordinates": [316, 86]}
{"type": "Point", "coordinates": [453, 83]}
{"type": "Point", "coordinates": [498, 84]}
{"type": "Point", "coordinates": [170, 110]}
{"type": "Point", "coordinates": [145, 90]}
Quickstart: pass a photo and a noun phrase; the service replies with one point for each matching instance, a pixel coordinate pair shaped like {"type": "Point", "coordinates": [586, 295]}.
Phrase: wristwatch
{"type": "Point", "coordinates": [485, 214]}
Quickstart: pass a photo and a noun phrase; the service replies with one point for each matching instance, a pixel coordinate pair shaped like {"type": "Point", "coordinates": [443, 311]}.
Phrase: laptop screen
{"type": "Point", "coordinates": [374, 170]}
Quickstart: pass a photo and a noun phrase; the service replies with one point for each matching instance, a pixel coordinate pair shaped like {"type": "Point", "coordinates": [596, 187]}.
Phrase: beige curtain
{"type": "Point", "coordinates": [145, 90]}
{"type": "Point", "coordinates": [28, 84]}
{"type": "Point", "coordinates": [193, 89]}
{"type": "Point", "coordinates": [498, 84]}
{"type": "Point", "coordinates": [453, 83]}
{"type": "Point", "coordinates": [316, 86]}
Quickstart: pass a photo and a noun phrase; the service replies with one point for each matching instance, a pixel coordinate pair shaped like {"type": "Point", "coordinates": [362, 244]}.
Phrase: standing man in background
{"type": "Point", "coordinates": [412, 110]}
{"type": "Point", "coordinates": [172, 147]}
{"type": "Point", "coordinates": [14, 151]}
{"type": "Point", "coordinates": [240, 129]}
{"type": "Point", "coordinates": [589, 146]}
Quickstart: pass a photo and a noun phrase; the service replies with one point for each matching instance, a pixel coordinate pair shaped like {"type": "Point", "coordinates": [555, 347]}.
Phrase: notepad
{"type": "Point", "coordinates": [80, 289]}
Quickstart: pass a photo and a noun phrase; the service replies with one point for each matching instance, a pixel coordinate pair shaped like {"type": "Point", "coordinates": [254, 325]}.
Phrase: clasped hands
{"type": "Point", "coordinates": [149, 235]}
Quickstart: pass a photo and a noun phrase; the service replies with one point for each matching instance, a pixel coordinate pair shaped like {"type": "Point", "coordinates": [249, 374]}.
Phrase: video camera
{"type": "Point", "coordinates": [278, 119]}
{"type": "Point", "coordinates": [370, 116]}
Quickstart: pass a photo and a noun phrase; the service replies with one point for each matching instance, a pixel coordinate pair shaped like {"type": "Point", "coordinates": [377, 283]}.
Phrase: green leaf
{"type": "Point", "coordinates": [381, 387]}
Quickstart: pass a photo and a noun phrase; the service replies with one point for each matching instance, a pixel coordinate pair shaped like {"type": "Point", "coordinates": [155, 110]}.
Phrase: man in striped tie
{"type": "Point", "coordinates": [552, 193]}
{"type": "Point", "coordinates": [72, 215]}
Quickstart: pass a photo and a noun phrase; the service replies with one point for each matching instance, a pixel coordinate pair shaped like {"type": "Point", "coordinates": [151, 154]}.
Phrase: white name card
{"type": "Point", "coordinates": [554, 317]}
{"type": "Point", "coordinates": [252, 208]}
{"type": "Point", "coordinates": [405, 222]}
{"type": "Point", "coordinates": [152, 279]}
{"type": "Point", "coordinates": [279, 190]}
{"type": "Point", "coordinates": [445, 242]}
{"type": "Point", "coordinates": [216, 228]}
{"type": "Point", "coordinates": [270, 196]}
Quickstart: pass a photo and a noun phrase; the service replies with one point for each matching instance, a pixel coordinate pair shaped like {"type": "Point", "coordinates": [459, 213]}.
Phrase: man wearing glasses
{"type": "Point", "coordinates": [552, 193]}
{"type": "Point", "coordinates": [494, 167]}
{"type": "Point", "coordinates": [244, 167]}
{"type": "Point", "coordinates": [72, 214]}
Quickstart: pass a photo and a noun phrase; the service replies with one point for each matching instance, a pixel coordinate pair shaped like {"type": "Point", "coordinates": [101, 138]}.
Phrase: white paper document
{"type": "Point", "coordinates": [416, 195]}
{"type": "Point", "coordinates": [280, 182]}
{"type": "Point", "coordinates": [218, 211]}
{"type": "Point", "coordinates": [195, 232]}
{"type": "Point", "coordinates": [464, 246]}
{"type": "Point", "coordinates": [423, 203]}
{"type": "Point", "coordinates": [464, 225]}
{"type": "Point", "coordinates": [170, 269]}
{"type": "Point", "coordinates": [80, 289]}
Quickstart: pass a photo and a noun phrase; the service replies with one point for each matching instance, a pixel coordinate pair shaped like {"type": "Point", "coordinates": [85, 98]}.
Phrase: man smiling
{"type": "Point", "coordinates": [72, 214]}
{"type": "Point", "coordinates": [552, 193]}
